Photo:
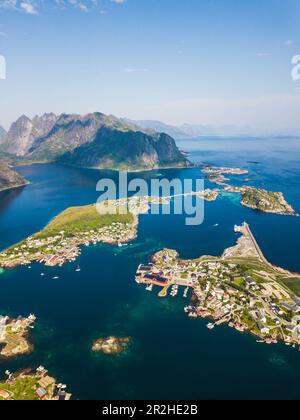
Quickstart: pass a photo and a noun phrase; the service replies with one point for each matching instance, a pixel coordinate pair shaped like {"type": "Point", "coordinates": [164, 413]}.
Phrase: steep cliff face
{"type": "Point", "coordinates": [23, 133]}
{"type": "Point", "coordinates": [94, 140]}
{"type": "Point", "coordinates": [18, 139]}
{"type": "Point", "coordinates": [9, 178]}
{"type": "Point", "coordinates": [68, 133]}
{"type": "Point", "coordinates": [114, 149]}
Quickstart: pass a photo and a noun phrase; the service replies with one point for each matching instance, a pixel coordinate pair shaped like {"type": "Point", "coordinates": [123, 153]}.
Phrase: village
{"type": "Point", "coordinates": [239, 291]}
{"type": "Point", "coordinates": [37, 385]}
{"type": "Point", "coordinates": [56, 248]}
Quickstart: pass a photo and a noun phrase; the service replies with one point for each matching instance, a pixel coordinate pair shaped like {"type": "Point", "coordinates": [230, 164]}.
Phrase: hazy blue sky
{"type": "Point", "coordinates": [194, 61]}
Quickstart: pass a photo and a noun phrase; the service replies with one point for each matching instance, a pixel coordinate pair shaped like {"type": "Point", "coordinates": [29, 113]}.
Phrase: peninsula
{"type": "Point", "coordinates": [14, 336]}
{"type": "Point", "coordinates": [36, 385]}
{"type": "Point", "coordinates": [240, 288]}
{"type": "Point", "coordinates": [9, 178]}
{"type": "Point", "coordinates": [113, 222]}
{"type": "Point", "coordinates": [266, 201]}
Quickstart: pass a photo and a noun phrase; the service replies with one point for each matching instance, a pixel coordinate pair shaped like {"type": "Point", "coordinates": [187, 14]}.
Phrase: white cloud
{"type": "Point", "coordinates": [29, 8]}
{"type": "Point", "coordinates": [263, 54]}
{"type": "Point", "coordinates": [8, 4]}
{"type": "Point", "coordinates": [289, 42]}
{"type": "Point", "coordinates": [32, 6]}
{"type": "Point", "coordinates": [133, 70]}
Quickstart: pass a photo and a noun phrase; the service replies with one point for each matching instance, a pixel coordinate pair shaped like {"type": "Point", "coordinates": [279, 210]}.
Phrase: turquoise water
{"type": "Point", "coordinates": [170, 355]}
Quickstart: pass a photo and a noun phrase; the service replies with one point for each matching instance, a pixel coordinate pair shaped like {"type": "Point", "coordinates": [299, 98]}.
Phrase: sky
{"type": "Point", "coordinates": [216, 62]}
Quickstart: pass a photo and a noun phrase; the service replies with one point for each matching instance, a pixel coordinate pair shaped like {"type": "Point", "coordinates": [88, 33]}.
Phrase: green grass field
{"type": "Point", "coordinates": [22, 388]}
{"type": "Point", "coordinates": [292, 283]}
{"type": "Point", "coordinates": [81, 219]}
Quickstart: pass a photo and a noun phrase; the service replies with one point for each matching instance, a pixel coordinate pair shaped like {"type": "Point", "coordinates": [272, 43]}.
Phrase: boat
{"type": "Point", "coordinates": [55, 278]}
{"type": "Point", "coordinates": [210, 326]}
{"type": "Point", "coordinates": [78, 269]}
{"type": "Point", "coordinates": [42, 274]}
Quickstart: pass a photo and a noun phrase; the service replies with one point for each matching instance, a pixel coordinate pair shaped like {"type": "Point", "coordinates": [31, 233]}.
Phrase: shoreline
{"type": "Point", "coordinates": [158, 168]}
{"type": "Point", "coordinates": [15, 187]}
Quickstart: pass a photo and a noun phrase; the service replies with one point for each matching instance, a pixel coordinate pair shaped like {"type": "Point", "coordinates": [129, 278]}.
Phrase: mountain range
{"type": "Point", "coordinates": [189, 131]}
{"type": "Point", "coordinates": [95, 141]}
{"type": "Point", "coordinates": [192, 131]}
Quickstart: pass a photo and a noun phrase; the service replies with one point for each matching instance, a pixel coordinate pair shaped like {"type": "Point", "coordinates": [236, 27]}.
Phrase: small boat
{"type": "Point", "coordinates": [29, 267]}
{"type": "Point", "coordinates": [42, 274]}
{"type": "Point", "coordinates": [210, 326]}
{"type": "Point", "coordinates": [55, 278]}
{"type": "Point", "coordinates": [78, 269]}
{"type": "Point", "coordinates": [216, 224]}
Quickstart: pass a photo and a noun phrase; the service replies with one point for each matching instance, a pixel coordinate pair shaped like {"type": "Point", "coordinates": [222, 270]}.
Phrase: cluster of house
{"type": "Point", "coordinates": [135, 205]}
{"type": "Point", "coordinates": [59, 249]}
{"type": "Point", "coordinates": [226, 295]}
{"type": "Point", "coordinates": [45, 387]}
{"type": "Point", "coordinates": [14, 325]}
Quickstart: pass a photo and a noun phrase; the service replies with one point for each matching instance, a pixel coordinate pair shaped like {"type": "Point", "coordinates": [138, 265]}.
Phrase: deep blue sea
{"type": "Point", "coordinates": [171, 356]}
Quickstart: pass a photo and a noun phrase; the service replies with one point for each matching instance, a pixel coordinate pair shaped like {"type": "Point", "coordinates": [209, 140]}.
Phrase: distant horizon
{"type": "Point", "coordinates": [238, 130]}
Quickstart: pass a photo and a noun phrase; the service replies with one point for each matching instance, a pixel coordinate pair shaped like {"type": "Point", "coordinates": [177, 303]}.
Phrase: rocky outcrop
{"type": "Point", "coordinates": [111, 345]}
{"type": "Point", "coordinates": [23, 133]}
{"type": "Point", "coordinates": [10, 178]}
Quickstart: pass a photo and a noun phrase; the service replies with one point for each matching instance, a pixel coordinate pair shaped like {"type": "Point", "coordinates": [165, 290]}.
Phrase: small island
{"type": "Point", "coordinates": [240, 288]}
{"type": "Point", "coordinates": [111, 345]}
{"type": "Point", "coordinates": [14, 336]}
{"type": "Point", "coordinates": [208, 194]}
{"type": "Point", "coordinates": [111, 222]}
{"type": "Point", "coordinates": [266, 201]}
{"type": "Point", "coordinates": [215, 175]}
{"type": "Point", "coordinates": [32, 386]}
{"type": "Point", "coordinates": [213, 170]}
{"type": "Point", "coordinates": [254, 198]}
